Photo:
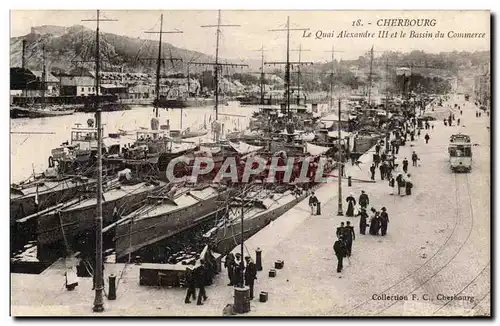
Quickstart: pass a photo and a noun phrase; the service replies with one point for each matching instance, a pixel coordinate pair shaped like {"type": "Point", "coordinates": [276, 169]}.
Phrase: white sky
{"type": "Point", "coordinates": [241, 42]}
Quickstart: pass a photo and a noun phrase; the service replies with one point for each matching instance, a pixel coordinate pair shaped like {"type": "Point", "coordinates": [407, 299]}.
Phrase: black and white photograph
{"type": "Point", "coordinates": [250, 163]}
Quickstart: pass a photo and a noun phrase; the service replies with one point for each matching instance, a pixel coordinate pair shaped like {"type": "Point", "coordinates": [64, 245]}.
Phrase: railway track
{"type": "Point", "coordinates": [442, 258]}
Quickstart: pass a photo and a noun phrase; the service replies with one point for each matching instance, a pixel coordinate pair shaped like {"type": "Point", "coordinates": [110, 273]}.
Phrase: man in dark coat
{"type": "Point", "coordinates": [405, 165]}
{"type": "Point", "coordinates": [340, 230]}
{"type": "Point", "coordinates": [382, 170]}
{"type": "Point", "coordinates": [414, 158]}
{"type": "Point", "coordinates": [340, 252]}
{"type": "Point", "coordinates": [384, 221]}
{"type": "Point", "coordinates": [230, 265]}
{"type": "Point", "coordinates": [364, 201]}
{"type": "Point", "coordinates": [190, 285]}
{"type": "Point", "coordinates": [363, 216]}
{"type": "Point", "coordinates": [399, 181]}
{"type": "Point", "coordinates": [200, 282]}
{"type": "Point", "coordinates": [313, 201]}
{"type": "Point", "coordinates": [372, 171]}
{"type": "Point", "coordinates": [427, 137]}
{"type": "Point", "coordinates": [250, 275]}
{"type": "Point", "coordinates": [349, 236]}
{"type": "Point", "coordinates": [377, 149]}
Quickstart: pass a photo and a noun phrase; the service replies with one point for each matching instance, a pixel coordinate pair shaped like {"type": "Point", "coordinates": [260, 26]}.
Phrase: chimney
{"type": "Point", "coordinates": [23, 60]}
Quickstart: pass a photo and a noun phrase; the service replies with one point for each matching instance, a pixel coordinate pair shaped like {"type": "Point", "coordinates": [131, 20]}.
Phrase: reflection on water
{"type": "Point", "coordinates": [30, 152]}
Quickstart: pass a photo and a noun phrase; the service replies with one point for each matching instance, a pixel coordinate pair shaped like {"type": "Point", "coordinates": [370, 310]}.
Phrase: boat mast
{"type": "Point", "coordinates": [331, 80]}
{"type": "Point", "coordinates": [158, 63]}
{"type": "Point", "coordinates": [288, 63]}
{"type": "Point", "coordinates": [158, 69]}
{"type": "Point", "coordinates": [216, 69]}
{"type": "Point", "coordinates": [370, 78]}
{"type": "Point", "coordinates": [300, 50]}
{"type": "Point", "coordinates": [218, 65]}
{"type": "Point", "coordinates": [262, 76]}
{"type": "Point", "coordinates": [98, 275]}
{"type": "Point", "coordinates": [43, 76]}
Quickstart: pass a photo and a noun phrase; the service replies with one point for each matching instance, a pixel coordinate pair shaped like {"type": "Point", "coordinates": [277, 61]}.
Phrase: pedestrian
{"type": "Point", "coordinates": [190, 285]}
{"type": "Point", "coordinates": [313, 201]}
{"type": "Point", "coordinates": [405, 165]}
{"type": "Point", "coordinates": [340, 252]}
{"type": "Point", "coordinates": [427, 137]}
{"type": "Point", "coordinates": [238, 270]}
{"type": "Point", "coordinates": [364, 200]}
{"type": "Point", "coordinates": [432, 126]}
{"type": "Point", "coordinates": [375, 224]}
{"type": "Point", "coordinates": [377, 148]}
{"type": "Point", "coordinates": [363, 216]}
{"type": "Point", "coordinates": [250, 275]}
{"type": "Point", "coordinates": [351, 202]}
{"type": "Point", "coordinates": [412, 136]}
{"type": "Point", "coordinates": [340, 229]}
{"type": "Point", "coordinates": [200, 283]}
{"type": "Point", "coordinates": [384, 221]}
{"type": "Point", "coordinates": [383, 157]}
{"type": "Point", "coordinates": [408, 185]}
{"type": "Point", "coordinates": [461, 112]}
{"type": "Point", "coordinates": [376, 159]}
{"type": "Point", "coordinates": [349, 236]}
{"type": "Point", "coordinates": [391, 183]}
{"type": "Point", "coordinates": [382, 170]}
{"type": "Point", "coordinates": [414, 158]}
{"type": "Point", "coordinates": [418, 133]}
{"type": "Point", "coordinates": [458, 122]}
{"type": "Point", "coordinates": [449, 121]}
{"type": "Point", "coordinates": [372, 171]}
{"type": "Point", "coordinates": [230, 265]}
{"type": "Point", "coordinates": [399, 181]}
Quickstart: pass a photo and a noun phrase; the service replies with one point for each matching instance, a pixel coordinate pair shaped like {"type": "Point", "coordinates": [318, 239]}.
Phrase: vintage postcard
{"type": "Point", "coordinates": [250, 163]}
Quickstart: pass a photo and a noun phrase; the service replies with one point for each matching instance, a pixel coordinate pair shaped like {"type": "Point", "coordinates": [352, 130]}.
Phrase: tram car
{"type": "Point", "coordinates": [460, 152]}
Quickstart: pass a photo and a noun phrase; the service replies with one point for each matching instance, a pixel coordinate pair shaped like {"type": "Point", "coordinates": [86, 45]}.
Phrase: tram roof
{"type": "Point", "coordinates": [460, 144]}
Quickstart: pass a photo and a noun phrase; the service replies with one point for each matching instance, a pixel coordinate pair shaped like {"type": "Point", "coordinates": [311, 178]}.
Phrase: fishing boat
{"type": "Point", "coordinates": [165, 215]}
{"type": "Point", "coordinates": [38, 112]}
{"type": "Point", "coordinates": [65, 223]}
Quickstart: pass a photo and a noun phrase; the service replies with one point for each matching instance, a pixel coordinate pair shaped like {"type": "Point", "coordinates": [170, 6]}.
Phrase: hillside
{"type": "Point", "coordinates": [66, 45]}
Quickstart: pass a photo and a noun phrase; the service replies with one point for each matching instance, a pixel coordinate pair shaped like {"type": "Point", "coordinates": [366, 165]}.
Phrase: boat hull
{"type": "Point", "coordinates": [230, 236]}
{"type": "Point", "coordinates": [188, 103]}
{"type": "Point", "coordinates": [19, 112]}
{"type": "Point", "coordinates": [70, 223]}
{"type": "Point", "coordinates": [132, 236]}
{"type": "Point", "coordinates": [25, 205]}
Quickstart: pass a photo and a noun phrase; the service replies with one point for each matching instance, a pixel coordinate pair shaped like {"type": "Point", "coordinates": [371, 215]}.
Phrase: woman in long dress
{"type": "Point", "coordinates": [350, 207]}
{"type": "Point", "coordinates": [374, 222]}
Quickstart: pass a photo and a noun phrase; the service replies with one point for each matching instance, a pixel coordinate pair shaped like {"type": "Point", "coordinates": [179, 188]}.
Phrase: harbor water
{"type": "Point", "coordinates": [31, 151]}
